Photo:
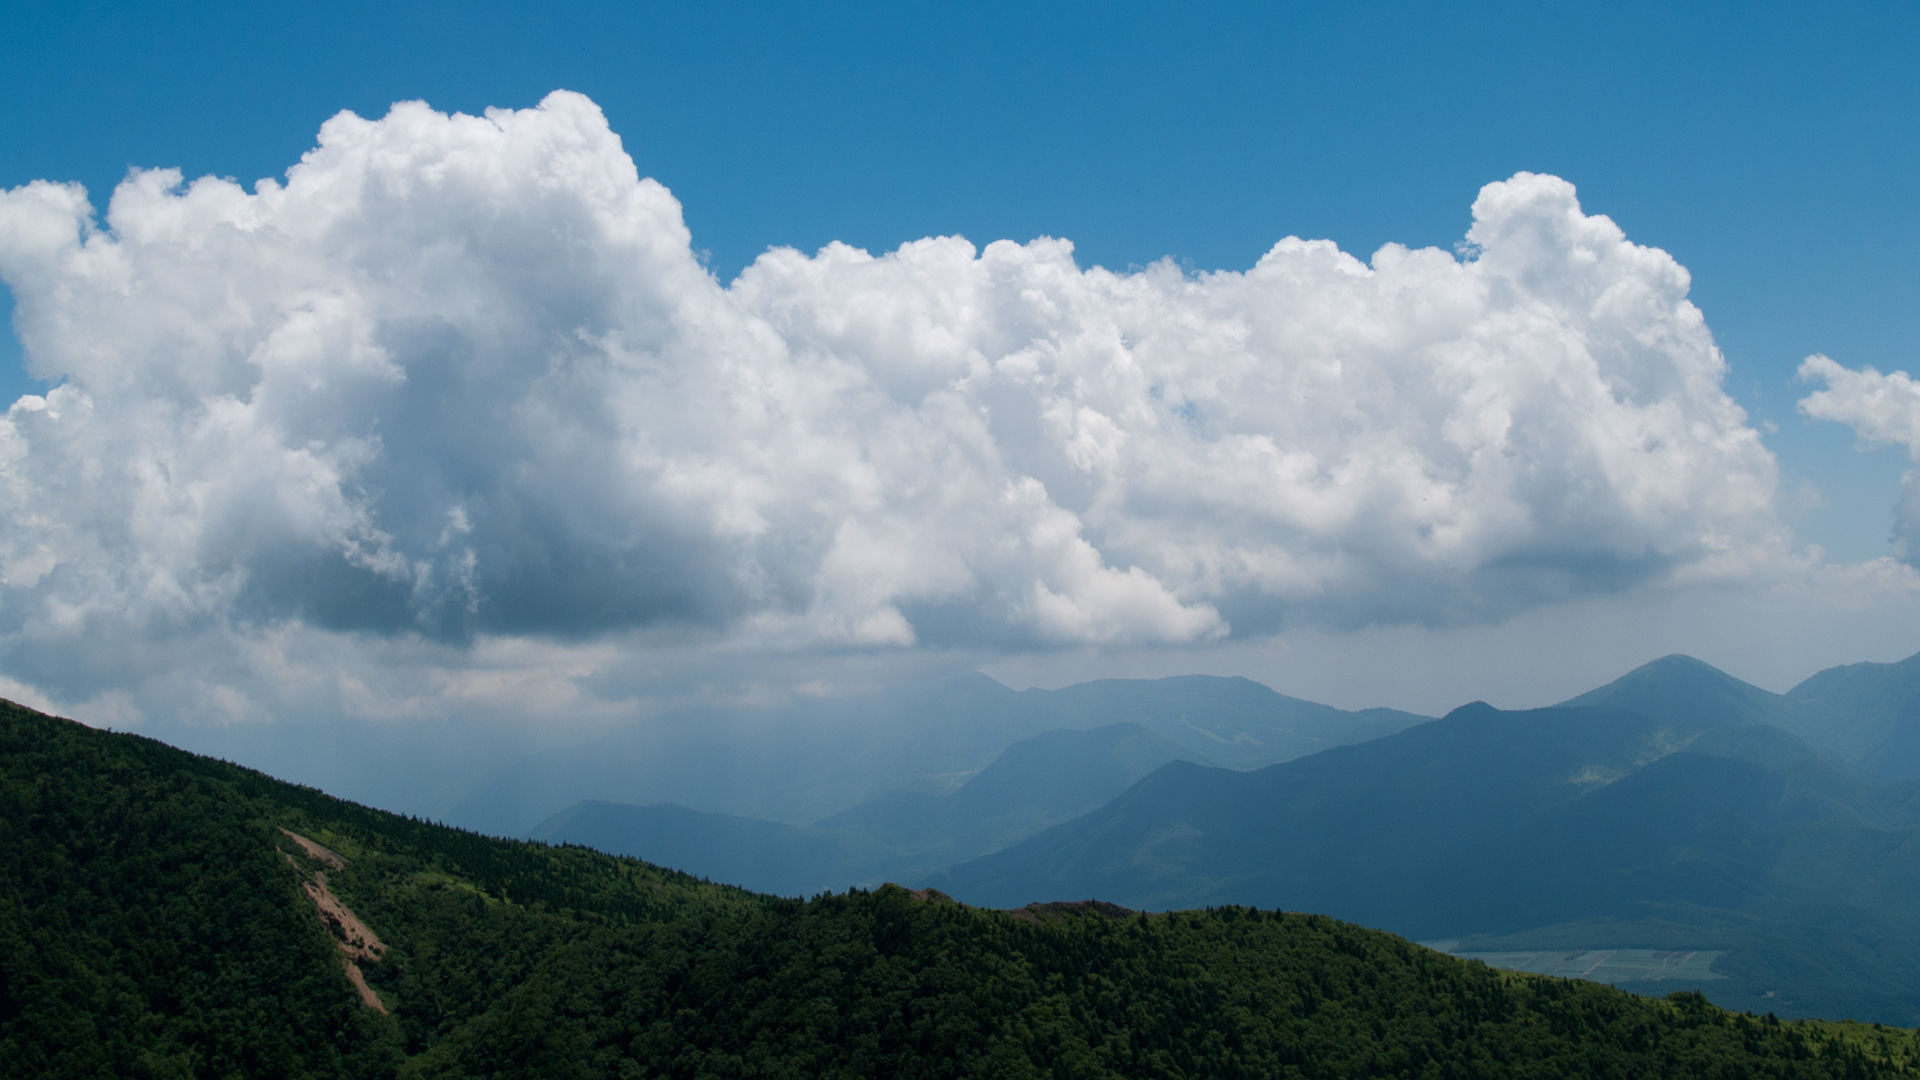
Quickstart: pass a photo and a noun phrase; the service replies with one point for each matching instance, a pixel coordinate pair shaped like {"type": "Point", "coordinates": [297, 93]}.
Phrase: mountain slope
{"type": "Point", "coordinates": [791, 762]}
{"type": "Point", "coordinates": [1232, 722]}
{"type": "Point", "coordinates": [1582, 827]}
{"type": "Point", "coordinates": [1036, 783]}
{"type": "Point", "coordinates": [1337, 829]}
{"type": "Point", "coordinates": [168, 915]}
{"type": "Point", "coordinates": [1867, 713]}
{"type": "Point", "coordinates": [1680, 689]}
{"type": "Point", "coordinates": [801, 761]}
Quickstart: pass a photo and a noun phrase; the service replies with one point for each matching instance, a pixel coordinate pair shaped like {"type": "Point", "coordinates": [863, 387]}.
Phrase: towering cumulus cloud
{"type": "Point", "coordinates": [462, 378]}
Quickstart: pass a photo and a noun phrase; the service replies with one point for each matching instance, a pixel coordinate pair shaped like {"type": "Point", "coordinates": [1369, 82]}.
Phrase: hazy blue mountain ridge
{"type": "Point", "coordinates": [1233, 722]}
{"type": "Point", "coordinates": [786, 860]}
{"type": "Point", "coordinates": [1700, 827]}
{"type": "Point", "coordinates": [800, 761]}
{"type": "Point", "coordinates": [1037, 782]}
{"type": "Point", "coordinates": [1864, 714]}
{"type": "Point", "coordinates": [1684, 690]}
{"type": "Point", "coordinates": [792, 761]}
{"type": "Point", "coordinates": [1189, 835]}
{"type": "Point", "coordinates": [1041, 781]}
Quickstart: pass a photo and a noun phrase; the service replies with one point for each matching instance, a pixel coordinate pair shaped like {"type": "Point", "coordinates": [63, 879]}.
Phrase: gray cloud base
{"type": "Point", "coordinates": [461, 377]}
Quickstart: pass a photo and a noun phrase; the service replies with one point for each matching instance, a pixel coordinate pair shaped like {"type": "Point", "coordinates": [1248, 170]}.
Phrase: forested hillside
{"type": "Point", "coordinates": [167, 915]}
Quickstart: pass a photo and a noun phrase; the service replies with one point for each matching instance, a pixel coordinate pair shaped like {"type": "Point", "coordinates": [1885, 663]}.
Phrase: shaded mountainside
{"type": "Point", "coordinates": [802, 761]}
{"type": "Point", "coordinates": [1350, 828]}
{"type": "Point", "coordinates": [1053, 777]}
{"type": "Point", "coordinates": [792, 762]}
{"type": "Point", "coordinates": [160, 915]}
{"type": "Point", "coordinates": [1231, 722]}
{"type": "Point", "coordinates": [784, 860]}
{"type": "Point", "coordinates": [1866, 715]}
{"type": "Point", "coordinates": [1036, 783]}
{"type": "Point", "coordinates": [1590, 827]}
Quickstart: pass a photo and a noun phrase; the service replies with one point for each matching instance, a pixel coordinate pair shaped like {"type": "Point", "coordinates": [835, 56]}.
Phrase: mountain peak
{"type": "Point", "coordinates": [1683, 690]}
{"type": "Point", "coordinates": [1675, 665]}
{"type": "Point", "coordinates": [1678, 660]}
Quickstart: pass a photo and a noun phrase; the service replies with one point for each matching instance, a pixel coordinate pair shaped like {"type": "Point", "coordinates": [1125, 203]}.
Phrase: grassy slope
{"type": "Point", "coordinates": [151, 924]}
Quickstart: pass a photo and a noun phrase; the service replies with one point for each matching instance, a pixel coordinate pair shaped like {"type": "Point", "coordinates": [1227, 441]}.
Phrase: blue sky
{"type": "Point", "coordinates": [1769, 149]}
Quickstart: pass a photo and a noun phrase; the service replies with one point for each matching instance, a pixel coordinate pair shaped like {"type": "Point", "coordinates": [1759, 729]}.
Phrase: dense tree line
{"type": "Point", "coordinates": [153, 922]}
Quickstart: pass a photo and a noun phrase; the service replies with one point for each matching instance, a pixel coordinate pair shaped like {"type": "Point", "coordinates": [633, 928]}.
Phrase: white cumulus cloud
{"type": "Point", "coordinates": [1883, 410]}
{"type": "Point", "coordinates": [463, 378]}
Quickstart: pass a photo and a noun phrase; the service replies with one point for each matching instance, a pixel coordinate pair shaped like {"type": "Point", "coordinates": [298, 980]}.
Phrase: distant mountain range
{"type": "Point", "coordinates": [1867, 715]}
{"type": "Point", "coordinates": [1675, 808]}
{"type": "Point", "coordinates": [1665, 810]}
{"type": "Point", "coordinates": [800, 762]}
{"type": "Point", "coordinates": [897, 836]}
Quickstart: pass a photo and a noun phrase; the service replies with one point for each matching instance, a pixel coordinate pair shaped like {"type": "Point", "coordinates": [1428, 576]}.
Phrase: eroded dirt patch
{"type": "Point", "coordinates": [355, 938]}
{"type": "Point", "coordinates": [324, 854]}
